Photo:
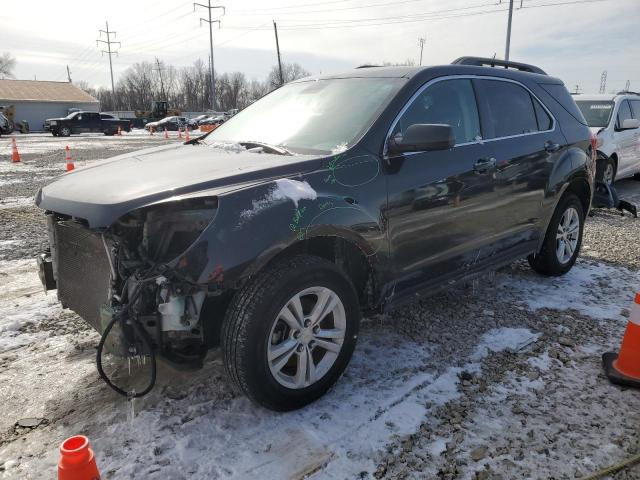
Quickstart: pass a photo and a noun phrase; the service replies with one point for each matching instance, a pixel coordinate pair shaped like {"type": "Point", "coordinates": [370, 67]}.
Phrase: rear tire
{"type": "Point", "coordinates": [562, 240]}
{"type": "Point", "coordinates": [268, 344]}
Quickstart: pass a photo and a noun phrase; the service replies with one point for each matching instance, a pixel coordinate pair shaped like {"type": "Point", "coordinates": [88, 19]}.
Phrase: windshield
{"type": "Point", "coordinates": [71, 115]}
{"type": "Point", "coordinates": [596, 113]}
{"type": "Point", "coordinates": [316, 116]}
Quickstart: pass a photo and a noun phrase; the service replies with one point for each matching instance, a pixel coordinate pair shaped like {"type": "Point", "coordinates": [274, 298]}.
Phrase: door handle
{"type": "Point", "coordinates": [550, 146]}
{"type": "Point", "coordinates": [483, 165]}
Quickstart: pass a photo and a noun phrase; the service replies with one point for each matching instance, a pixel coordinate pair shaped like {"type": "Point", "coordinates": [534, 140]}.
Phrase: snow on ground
{"type": "Point", "coordinates": [13, 202]}
{"type": "Point", "coordinates": [22, 302]}
{"type": "Point", "coordinates": [386, 393]}
{"type": "Point", "coordinates": [588, 288]}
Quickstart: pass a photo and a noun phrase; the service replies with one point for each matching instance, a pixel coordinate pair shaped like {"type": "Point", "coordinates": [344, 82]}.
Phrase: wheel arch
{"type": "Point", "coordinates": [343, 248]}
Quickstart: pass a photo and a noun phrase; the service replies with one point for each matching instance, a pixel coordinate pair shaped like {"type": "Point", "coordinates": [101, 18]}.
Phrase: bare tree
{"type": "Point", "coordinates": [290, 72]}
{"type": "Point", "coordinates": [186, 88]}
{"type": "Point", "coordinates": [7, 64]}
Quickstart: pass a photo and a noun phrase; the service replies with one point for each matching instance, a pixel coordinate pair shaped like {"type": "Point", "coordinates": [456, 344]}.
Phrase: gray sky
{"type": "Point", "coordinates": [572, 39]}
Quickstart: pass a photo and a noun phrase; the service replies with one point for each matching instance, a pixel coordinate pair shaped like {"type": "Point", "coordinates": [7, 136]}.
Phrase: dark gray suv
{"type": "Point", "coordinates": [329, 197]}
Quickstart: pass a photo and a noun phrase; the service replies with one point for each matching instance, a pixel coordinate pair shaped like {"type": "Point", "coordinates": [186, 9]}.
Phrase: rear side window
{"type": "Point", "coordinates": [624, 113]}
{"type": "Point", "coordinates": [510, 109]}
{"type": "Point", "coordinates": [544, 120]}
{"type": "Point", "coordinates": [450, 102]}
{"type": "Point", "coordinates": [561, 95]}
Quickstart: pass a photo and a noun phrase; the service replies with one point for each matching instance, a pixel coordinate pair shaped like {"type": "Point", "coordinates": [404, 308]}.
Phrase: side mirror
{"type": "Point", "coordinates": [630, 123]}
{"type": "Point", "coordinates": [423, 137]}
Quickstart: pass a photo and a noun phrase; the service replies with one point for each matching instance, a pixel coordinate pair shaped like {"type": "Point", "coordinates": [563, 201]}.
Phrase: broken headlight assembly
{"type": "Point", "coordinates": [154, 311]}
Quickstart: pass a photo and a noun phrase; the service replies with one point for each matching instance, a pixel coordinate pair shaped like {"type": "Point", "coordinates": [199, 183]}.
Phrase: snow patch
{"type": "Point", "coordinates": [339, 148]}
{"type": "Point", "coordinates": [228, 147]}
{"type": "Point", "coordinates": [500, 339]}
{"type": "Point", "coordinates": [16, 202]}
{"type": "Point", "coordinates": [590, 288]}
{"type": "Point", "coordinates": [285, 189]}
{"type": "Point", "coordinates": [294, 190]}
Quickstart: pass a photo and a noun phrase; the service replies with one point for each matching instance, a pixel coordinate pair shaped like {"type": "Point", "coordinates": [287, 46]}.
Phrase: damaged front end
{"type": "Point", "coordinates": [122, 281]}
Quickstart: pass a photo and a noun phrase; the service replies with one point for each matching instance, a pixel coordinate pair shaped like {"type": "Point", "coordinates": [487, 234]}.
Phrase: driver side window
{"type": "Point", "coordinates": [450, 102]}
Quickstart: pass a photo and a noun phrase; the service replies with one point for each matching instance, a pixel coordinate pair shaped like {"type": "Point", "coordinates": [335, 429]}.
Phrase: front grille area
{"type": "Point", "coordinates": [83, 271]}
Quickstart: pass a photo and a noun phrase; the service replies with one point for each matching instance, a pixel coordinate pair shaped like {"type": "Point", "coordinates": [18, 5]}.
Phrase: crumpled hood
{"type": "Point", "coordinates": [103, 192]}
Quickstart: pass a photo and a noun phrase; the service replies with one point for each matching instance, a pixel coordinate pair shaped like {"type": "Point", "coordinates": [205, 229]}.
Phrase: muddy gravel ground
{"type": "Point", "coordinates": [500, 378]}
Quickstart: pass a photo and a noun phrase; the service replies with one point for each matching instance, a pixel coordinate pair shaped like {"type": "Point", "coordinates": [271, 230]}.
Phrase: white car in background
{"type": "Point", "coordinates": [615, 120]}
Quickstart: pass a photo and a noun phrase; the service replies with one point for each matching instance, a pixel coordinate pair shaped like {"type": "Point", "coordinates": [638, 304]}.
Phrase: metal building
{"type": "Point", "coordinates": [36, 101]}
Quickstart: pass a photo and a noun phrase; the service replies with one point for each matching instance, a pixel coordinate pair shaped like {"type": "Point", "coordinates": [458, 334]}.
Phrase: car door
{"type": "Point", "coordinates": [625, 141]}
{"type": "Point", "coordinates": [635, 112]}
{"type": "Point", "coordinates": [523, 139]}
{"type": "Point", "coordinates": [76, 124]}
{"type": "Point", "coordinates": [92, 122]}
{"type": "Point", "coordinates": [440, 203]}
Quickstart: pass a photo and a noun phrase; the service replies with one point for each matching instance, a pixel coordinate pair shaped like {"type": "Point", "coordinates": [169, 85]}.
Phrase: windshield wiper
{"type": "Point", "coordinates": [273, 148]}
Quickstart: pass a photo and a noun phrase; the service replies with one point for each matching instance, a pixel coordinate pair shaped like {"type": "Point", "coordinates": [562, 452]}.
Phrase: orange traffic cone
{"type": "Point", "coordinates": [67, 157]}
{"type": "Point", "coordinates": [15, 155]}
{"type": "Point", "coordinates": [179, 132]}
{"type": "Point", "coordinates": [166, 134]}
{"type": "Point", "coordinates": [77, 461]}
{"type": "Point", "coordinates": [186, 134]}
{"type": "Point", "coordinates": [151, 131]}
{"type": "Point", "coordinates": [624, 368]}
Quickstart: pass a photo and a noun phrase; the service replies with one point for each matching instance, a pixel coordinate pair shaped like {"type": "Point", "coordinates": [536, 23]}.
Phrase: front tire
{"type": "Point", "coordinates": [562, 240]}
{"type": "Point", "coordinates": [64, 132]}
{"type": "Point", "coordinates": [290, 332]}
{"type": "Point", "coordinates": [606, 170]}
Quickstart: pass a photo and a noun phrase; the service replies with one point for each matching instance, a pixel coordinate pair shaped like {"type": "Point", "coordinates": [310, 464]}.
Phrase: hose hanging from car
{"type": "Point", "coordinates": [146, 339]}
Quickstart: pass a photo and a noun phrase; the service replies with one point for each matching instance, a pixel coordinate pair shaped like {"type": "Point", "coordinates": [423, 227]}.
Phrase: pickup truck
{"type": "Point", "coordinates": [85, 122]}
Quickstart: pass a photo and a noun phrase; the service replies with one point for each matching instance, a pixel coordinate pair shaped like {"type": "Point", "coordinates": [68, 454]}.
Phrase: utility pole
{"type": "Point", "coordinates": [421, 41]}
{"type": "Point", "coordinates": [210, 7]}
{"type": "Point", "coordinates": [159, 69]}
{"type": "Point", "coordinates": [506, 53]}
{"type": "Point", "coordinates": [275, 29]}
{"type": "Point", "coordinates": [577, 90]}
{"type": "Point", "coordinates": [627, 86]}
{"type": "Point", "coordinates": [68, 74]}
{"type": "Point", "coordinates": [108, 41]}
{"type": "Point", "coordinates": [603, 82]}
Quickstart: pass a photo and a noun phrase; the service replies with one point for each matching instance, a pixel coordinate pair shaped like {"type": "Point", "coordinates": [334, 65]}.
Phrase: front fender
{"type": "Point", "coordinates": [255, 224]}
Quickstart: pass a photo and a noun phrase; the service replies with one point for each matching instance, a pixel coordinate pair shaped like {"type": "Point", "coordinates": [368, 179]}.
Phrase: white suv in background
{"type": "Point", "coordinates": [615, 119]}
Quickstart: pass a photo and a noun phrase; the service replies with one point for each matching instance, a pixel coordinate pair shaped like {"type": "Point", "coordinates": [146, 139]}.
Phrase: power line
{"type": "Point", "coordinates": [159, 69]}
{"type": "Point", "coordinates": [108, 41]}
{"type": "Point", "coordinates": [508, 43]}
{"type": "Point", "coordinates": [603, 82]}
{"type": "Point", "coordinates": [275, 29]}
{"type": "Point", "coordinates": [332, 24]}
{"type": "Point", "coordinates": [209, 8]}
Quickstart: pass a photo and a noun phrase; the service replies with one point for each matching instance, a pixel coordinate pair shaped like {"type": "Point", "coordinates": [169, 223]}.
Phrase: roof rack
{"type": "Point", "coordinates": [493, 62]}
{"type": "Point", "coordinates": [368, 66]}
{"type": "Point", "coordinates": [627, 92]}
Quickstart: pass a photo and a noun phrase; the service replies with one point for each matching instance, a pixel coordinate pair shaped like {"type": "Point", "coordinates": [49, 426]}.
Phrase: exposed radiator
{"type": "Point", "coordinates": [83, 271]}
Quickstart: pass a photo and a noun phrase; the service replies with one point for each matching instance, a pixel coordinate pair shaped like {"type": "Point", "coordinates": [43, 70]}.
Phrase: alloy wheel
{"type": "Point", "coordinates": [567, 235]}
{"type": "Point", "coordinates": [306, 337]}
{"type": "Point", "coordinates": [608, 173]}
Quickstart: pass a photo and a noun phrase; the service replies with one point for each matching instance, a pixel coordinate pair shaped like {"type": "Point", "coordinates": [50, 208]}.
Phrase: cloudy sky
{"type": "Point", "coordinates": [573, 39]}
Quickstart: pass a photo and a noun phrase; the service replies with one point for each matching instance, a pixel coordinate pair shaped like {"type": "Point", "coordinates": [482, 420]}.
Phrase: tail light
{"type": "Point", "coordinates": [595, 143]}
